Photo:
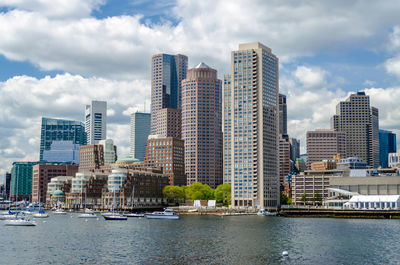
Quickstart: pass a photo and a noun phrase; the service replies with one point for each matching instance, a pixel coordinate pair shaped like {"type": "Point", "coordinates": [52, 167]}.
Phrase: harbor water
{"type": "Point", "coordinates": [201, 240]}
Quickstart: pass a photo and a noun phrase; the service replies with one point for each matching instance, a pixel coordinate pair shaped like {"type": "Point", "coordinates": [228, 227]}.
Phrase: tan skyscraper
{"type": "Point", "coordinates": [201, 125]}
{"type": "Point", "coordinates": [360, 123]}
{"type": "Point", "coordinates": [251, 126]}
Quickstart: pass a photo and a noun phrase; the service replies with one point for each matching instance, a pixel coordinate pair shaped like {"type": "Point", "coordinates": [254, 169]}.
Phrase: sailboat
{"type": "Point", "coordinates": [88, 213]}
{"type": "Point", "coordinates": [41, 213]}
{"type": "Point", "coordinates": [115, 216]}
{"type": "Point", "coordinates": [132, 214]}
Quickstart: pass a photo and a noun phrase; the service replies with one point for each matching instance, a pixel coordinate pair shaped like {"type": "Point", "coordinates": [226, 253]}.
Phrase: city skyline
{"type": "Point", "coordinates": [307, 70]}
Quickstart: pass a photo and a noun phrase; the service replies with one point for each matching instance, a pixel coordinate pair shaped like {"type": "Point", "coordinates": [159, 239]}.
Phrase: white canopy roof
{"type": "Point", "coordinates": [375, 198]}
{"type": "Point", "coordinates": [345, 192]}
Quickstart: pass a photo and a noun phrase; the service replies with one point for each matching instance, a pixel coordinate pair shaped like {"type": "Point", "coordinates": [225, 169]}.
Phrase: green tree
{"type": "Point", "coordinates": [223, 194]}
{"type": "Point", "coordinates": [174, 193]}
{"type": "Point", "coordinates": [317, 198]}
{"type": "Point", "coordinates": [304, 197]}
{"type": "Point", "coordinates": [198, 191]}
{"type": "Point", "coordinates": [284, 199]}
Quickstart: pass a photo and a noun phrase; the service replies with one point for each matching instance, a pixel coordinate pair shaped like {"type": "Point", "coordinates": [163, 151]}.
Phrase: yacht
{"type": "Point", "coordinates": [20, 222]}
{"type": "Point", "coordinates": [87, 215]}
{"type": "Point", "coordinates": [41, 214]}
{"type": "Point", "coordinates": [166, 214]}
{"type": "Point", "coordinates": [8, 217]}
{"type": "Point", "coordinates": [134, 215]}
{"type": "Point", "coordinates": [263, 212]}
{"type": "Point", "coordinates": [115, 216]}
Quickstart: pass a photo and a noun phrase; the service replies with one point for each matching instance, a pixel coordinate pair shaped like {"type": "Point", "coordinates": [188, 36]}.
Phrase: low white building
{"type": "Point", "coordinates": [385, 202]}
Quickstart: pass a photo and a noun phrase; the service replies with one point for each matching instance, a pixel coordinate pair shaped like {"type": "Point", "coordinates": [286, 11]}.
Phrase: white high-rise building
{"type": "Point", "coordinates": [96, 121]}
{"type": "Point", "coordinates": [251, 125]}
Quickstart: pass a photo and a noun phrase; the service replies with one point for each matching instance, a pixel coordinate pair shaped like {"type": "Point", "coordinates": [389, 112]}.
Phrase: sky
{"type": "Point", "coordinates": [58, 55]}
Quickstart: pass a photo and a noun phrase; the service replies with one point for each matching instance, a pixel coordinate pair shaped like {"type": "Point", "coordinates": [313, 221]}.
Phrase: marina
{"type": "Point", "coordinates": [204, 239]}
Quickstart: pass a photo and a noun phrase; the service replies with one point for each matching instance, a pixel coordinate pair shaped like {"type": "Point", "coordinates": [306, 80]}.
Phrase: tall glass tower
{"type": "Point", "coordinates": [60, 130]}
{"type": "Point", "coordinates": [96, 121]}
{"type": "Point", "coordinates": [251, 126]}
{"type": "Point", "coordinates": [167, 73]}
{"type": "Point", "coordinates": [140, 130]}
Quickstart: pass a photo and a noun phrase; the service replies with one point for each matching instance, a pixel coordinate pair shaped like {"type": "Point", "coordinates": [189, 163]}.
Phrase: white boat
{"type": "Point", "coordinates": [263, 212]}
{"type": "Point", "coordinates": [87, 215]}
{"type": "Point", "coordinates": [87, 210]}
{"type": "Point", "coordinates": [115, 217]}
{"type": "Point", "coordinates": [60, 211]}
{"type": "Point", "coordinates": [4, 213]}
{"type": "Point", "coordinates": [20, 222]}
{"type": "Point", "coordinates": [166, 214]}
{"type": "Point", "coordinates": [8, 217]}
{"type": "Point", "coordinates": [134, 215]}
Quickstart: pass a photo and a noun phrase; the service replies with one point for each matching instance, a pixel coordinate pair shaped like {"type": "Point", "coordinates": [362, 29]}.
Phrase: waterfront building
{"type": "Point", "coordinates": [116, 179]}
{"type": "Point", "coordinates": [62, 152]}
{"type": "Point", "coordinates": [146, 185]}
{"type": "Point", "coordinates": [7, 186]}
{"type": "Point", "coordinates": [96, 121]}
{"type": "Point", "coordinates": [294, 149]}
{"type": "Point", "coordinates": [60, 183]}
{"type": "Point", "coordinates": [167, 72]}
{"type": "Point", "coordinates": [168, 123]}
{"type": "Point", "coordinates": [284, 158]}
{"type": "Point", "coordinates": [140, 130]}
{"type": "Point", "coordinates": [324, 145]}
{"type": "Point", "coordinates": [282, 115]}
{"type": "Point", "coordinates": [251, 112]}
{"type": "Point", "coordinates": [387, 145]}
{"type": "Point", "coordinates": [360, 123]}
{"type": "Point", "coordinates": [383, 202]}
{"type": "Point", "coordinates": [86, 188]}
{"type": "Point", "coordinates": [167, 153]}
{"type": "Point", "coordinates": [21, 180]}
{"type": "Point", "coordinates": [43, 173]}
{"type": "Point", "coordinates": [202, 125]}
{"type": "Point", "coordinates": [394, 160]}
{"type": "Point", "coordinates": [352, 163]}
{"type": "Point", "coordinates": [97, 156]}
{"type": "Point", "coordinates": [60, 130]}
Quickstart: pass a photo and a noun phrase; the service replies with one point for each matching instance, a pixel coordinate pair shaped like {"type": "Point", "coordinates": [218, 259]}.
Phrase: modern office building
{"type": "Point", "coordinates": [167, 153]}
{"type": "Point", "coordinates": [97, 156]}
{"type": "Point", "coordinates": [167, 72]}
{"type": "Point", "coordinates": [43, 173]}
{"type": "Point", "coordinates": [116, 179]}
{"type": "Point", "coordinates": [294, 149]}
{"type": "Point", "coordinates": [21, 180]}
{"type": "Point", "coordinates": [96, 121]}
{"type": "Point", "coordinates": [394, 160]}
{"type": "Point", "coordinates": [352, 163]}
{"type": "Point", "coordinates": [140, 130]}
{"type": "Point", "coordinates": [61, 152]}
{"type": "Point", "coordinates": [227, 129]}
{"type": "Point", "coordinates": [324, 145]}
{"type": "Point", "coordinates": [284, 158]}
{"type": "Point", "coordinates": [168, 123]}
{"type": "Point", "coordinates": [60, 130]}
{"type": "Point", "coordinates": [282, 115]}
{"type": "Point", "coordinates": [202, 125]}
{"type": "Point", "coordinates": [251, 113]}
{"type": "Point", "coordinates": [387, 145]}
{"type": "Point", "coordinates": [7, 186]}
{"type": "Point", "coordinates": [360, 123]}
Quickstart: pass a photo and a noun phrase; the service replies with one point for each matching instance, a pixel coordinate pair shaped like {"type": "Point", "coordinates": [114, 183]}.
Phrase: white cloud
{"type": "Point", "coordinates": [393, 66]}
{"type": "Point", "coordinates": [310, 77]}
{"type": "Point", "coordinates": [25, 100]}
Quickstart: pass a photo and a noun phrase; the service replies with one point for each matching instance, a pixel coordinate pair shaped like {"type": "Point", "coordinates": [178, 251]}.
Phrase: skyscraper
{"type": "Point", "coordinates": [167, 73]}
{"type": "Point", "coordinates": [201, 125]}
{"type": "Point", "coordinates": [282, 115]}
{"type": "Point", "coordinates": [62, 151]}
{"type": "Point", "coordinates": [294, 149]}
{"type": "Point", "coordinates": [60, 130]}
{"type": "Point", "coordinates": [387, 145]}
{"type": "Point", "coordinates": [21, 180]}
{"type": "Point", "coordinates": [251, 112]}
{"type": "Point", "coordinates": [96, 121]}
{"type": "Point", "coordinates": [360, 123]}
{"type": "Point", "coordinates": [140, 130]}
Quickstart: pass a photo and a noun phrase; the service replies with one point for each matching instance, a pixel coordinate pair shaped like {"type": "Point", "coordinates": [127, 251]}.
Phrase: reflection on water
{"type": "Point", "coordinates": [202, 240]}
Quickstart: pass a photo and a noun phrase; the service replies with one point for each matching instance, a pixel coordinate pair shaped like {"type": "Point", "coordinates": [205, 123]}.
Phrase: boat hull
{"type": "Point", "coordinates": [115, 218]}
{"type": "Point", "coordinates": [159, 216]}
{"type": "Point", "coordinates": [134, 215]}
{"type": "Point", "coordinates": [87, 216]}
{"type": "Point", "coordinates": [40, 215]}
{"type": "Point", "coordinates": [19, 223]}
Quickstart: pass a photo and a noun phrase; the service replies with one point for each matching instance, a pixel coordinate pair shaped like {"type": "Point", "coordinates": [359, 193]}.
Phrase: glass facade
{"type": "Point", "coordinates": [22, 179]}
{"type": "Point", "coordinates": [140, 130]}
{"type": "Point", "coordinates": [387, 145]}
{"type": "Point", "coordinates": [60, 130]}
{"type": "Point", "coordinates": [62, 151]}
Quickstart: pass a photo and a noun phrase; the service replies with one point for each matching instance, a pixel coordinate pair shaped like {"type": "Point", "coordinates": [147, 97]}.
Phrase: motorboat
{"type": "Point", "coordinates": [40, 214]}
{"type": "Point", "coordinates": [8, 217]}
{"type": "Point", "coordinates": [115, 216]}
{"type": "Point", "coordinates": [166, 214]}
{"type": "Point", "coordinates": [108, 213]}
{"type": "Point", "coordinates": [20, 222]}
{"type": "Point", "coordinates": [263, 212]}
{"type": "Point", "coordinates": [134, 215]}
{"type": "Point", "coordinates": [60, 211]}
{"type": "Point", "coordinates": [87, 215]}
{"type": "Point", "coordinates": [87, 210]}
